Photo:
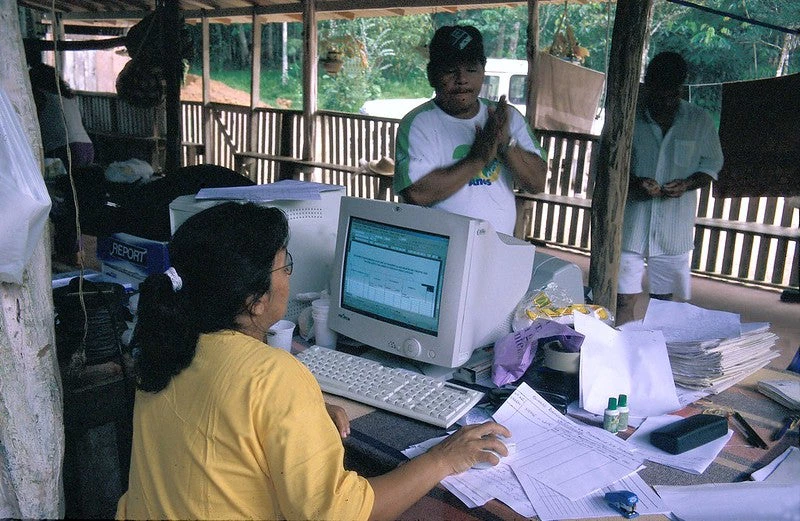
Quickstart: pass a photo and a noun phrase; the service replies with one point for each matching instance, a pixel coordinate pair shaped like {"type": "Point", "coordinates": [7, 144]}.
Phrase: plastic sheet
{"type": "Point", "coordinates": [24, 201]}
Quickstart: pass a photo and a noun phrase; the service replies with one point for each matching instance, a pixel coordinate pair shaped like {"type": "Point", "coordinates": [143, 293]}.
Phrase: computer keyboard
{"type": "Point", "coordinates": [396, 390]}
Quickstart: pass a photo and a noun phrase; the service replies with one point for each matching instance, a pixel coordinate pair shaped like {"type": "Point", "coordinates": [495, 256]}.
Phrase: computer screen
{"type": "Point", "coordinates": [312, 236]}
{"type": "Point", "coordinates": [423, 283]}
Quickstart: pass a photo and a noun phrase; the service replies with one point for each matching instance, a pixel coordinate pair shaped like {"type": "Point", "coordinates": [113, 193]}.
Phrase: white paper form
{"type": "Point", "coordinates": [783, 469]}
{"type": "Point", "coordinates": [550, 505]}
{"type": "Point", "coordinates": [572, 459]}
{"type": "Point", "coordinates": [745, 501]}
{"type": "Point", "coordinates": [483, 485]}
{"type": "Point", "coordinates": [624, 362]}
{"type": "Point", "coordinates": [694, 461]}
{"type": "Point", "coordinates": [683, 322]}
{"type": "Point", "coordinates": [288, 189]}
{"type": "Point", "coordinates": [476, 487]}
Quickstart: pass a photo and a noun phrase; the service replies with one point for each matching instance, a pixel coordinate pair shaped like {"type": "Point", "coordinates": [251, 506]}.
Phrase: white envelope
{"type": "Point", "coordinates": [634, 363]}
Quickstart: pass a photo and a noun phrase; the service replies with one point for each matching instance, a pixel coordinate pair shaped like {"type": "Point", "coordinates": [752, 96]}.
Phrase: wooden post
{"type": "Point", "coordinates": [31, 414]}
{"type": "Point", "coordinates": [310, 65]}
{"type": "Point", "coordinates": [613, 165]}
{"type": "Point", "coordinates": [173, 72]}
{"type": "Point", "coordinates": [208, 131]}
{"type": "Point", "coordinates": [532, 51]}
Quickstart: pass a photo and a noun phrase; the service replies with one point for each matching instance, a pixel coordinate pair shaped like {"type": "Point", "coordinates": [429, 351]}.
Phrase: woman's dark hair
{"type": "Point", "coordinates": [224, 257]}
{"type": "Point", "coordinates": [46, 78]}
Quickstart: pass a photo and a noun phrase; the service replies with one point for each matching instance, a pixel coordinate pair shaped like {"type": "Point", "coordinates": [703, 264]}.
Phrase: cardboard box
{"type": "Point", "coordinates": [130, 259]}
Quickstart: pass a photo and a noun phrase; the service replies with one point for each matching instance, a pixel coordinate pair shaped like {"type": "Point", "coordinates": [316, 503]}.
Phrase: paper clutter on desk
{"type": "Point", "coordinates": [784, 391]}
{"type": "Point", "coordinates": [708, 350]}
{"type": "Point", "coordinates": [634, 363]}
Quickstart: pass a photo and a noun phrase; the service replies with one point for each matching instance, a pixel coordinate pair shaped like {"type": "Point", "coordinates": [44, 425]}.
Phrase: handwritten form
{"type": "Point", "coordinates": [572, 459]}
{"type": "Point", "coordinates": [551, 506]}
{"type": "Point", "coordinates": [545, 439]}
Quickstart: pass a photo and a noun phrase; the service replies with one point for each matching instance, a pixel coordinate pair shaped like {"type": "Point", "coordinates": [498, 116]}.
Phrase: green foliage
{"type": "Point", "coordinates": [717, 48]}
{"type": "Point", "coordinates": [347, 90]}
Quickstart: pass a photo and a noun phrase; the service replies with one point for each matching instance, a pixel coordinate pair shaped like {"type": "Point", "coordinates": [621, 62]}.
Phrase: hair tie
{"type": "Point", "coordinates": [177, 282]}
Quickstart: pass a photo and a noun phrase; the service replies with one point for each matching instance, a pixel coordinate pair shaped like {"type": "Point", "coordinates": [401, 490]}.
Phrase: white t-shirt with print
{"type": "Point", "coordinates": [429, 138]}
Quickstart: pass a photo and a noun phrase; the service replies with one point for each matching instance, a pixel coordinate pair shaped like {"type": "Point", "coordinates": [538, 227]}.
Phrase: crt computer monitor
{"type": "Point", "coordinates": [423, 283]}
{"type": "Point", "coordinates": [312, 235]}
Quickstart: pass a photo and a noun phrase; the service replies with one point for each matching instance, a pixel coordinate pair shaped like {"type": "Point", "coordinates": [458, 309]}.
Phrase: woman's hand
{"type": "Point", "coordinates": [468, 446]}
{"type": "Point", "coordinates": [340, 419]}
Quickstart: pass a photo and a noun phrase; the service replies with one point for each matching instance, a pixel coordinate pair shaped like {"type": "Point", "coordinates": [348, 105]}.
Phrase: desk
{"type": "Point", "coordinates": [378, 436]}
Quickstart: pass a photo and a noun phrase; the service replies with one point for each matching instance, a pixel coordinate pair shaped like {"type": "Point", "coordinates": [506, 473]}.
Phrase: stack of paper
{"type": "Point", "coordinates": [785, 392]}
{"type": "Point", "coordinates": [715, 365]}
{"type": "Point", "coordinates": [710, 350]}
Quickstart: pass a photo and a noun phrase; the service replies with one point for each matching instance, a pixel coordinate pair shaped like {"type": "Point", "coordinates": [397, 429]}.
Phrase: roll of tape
{"type": "Point", "coordinates": [561, 361]}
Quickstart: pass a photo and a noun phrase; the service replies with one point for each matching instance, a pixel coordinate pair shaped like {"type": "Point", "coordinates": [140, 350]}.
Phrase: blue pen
{"type": "Point", "coordinates": [788, 423]}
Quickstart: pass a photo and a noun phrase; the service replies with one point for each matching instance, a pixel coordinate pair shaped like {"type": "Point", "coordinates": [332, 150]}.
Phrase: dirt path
{"type": "Point", "coordinates": [221, 93]}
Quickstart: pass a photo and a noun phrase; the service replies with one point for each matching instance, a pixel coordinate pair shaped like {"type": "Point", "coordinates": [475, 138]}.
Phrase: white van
{"type": "Point", "coordinates": [505, 76]}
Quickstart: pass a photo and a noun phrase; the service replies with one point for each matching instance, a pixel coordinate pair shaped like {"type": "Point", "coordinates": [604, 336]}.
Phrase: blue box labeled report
{"type": "Point", "coordinates": [130, 259]}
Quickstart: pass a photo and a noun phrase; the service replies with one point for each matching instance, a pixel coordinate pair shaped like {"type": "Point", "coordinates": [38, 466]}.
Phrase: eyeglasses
{"type": "Point", "coordinates": [289, 266]}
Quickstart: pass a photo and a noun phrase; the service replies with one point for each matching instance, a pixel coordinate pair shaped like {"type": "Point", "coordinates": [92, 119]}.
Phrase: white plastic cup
{"type": "Point", "coordinates": [280, 334]}
{"type": "Point", "coordinates": [323, 335]}
{"type": "Point", "coordinates": [321, 305]}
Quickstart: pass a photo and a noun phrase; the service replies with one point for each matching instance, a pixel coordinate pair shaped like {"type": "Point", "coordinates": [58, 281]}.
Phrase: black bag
{"type": "Point", "coordinates": [97, 333]}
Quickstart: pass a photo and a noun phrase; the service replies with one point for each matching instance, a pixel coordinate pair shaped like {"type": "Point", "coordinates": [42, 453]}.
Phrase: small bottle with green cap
{"type": "Point", "coordinates": [622, 407]}
{"type": "Point", "coordinates": [611, 416]}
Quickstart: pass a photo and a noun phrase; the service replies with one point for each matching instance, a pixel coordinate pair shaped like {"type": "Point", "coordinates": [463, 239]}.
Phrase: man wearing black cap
{"type": "Point", "coordinates": [462, 153]}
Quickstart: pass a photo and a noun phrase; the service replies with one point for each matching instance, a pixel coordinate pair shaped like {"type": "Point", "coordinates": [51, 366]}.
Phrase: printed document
{"type": "Point", "coordinates": [569, 458]}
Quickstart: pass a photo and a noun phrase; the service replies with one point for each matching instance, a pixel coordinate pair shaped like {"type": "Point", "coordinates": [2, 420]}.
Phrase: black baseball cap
{"type": "Point", "coordinates": [456, 44]}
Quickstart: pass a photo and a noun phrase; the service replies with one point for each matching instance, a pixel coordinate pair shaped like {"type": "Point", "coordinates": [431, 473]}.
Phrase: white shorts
{"type": "Point", "coordinates": [665, 274]}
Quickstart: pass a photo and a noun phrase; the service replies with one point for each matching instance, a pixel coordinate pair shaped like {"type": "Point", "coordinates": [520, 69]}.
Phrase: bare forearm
{"type": "Point", "coordinates": [397, 490]}
{"type": "Point", "coordinates": [529, 169]}
{"type": "Point", "coordinates": [443, 182]}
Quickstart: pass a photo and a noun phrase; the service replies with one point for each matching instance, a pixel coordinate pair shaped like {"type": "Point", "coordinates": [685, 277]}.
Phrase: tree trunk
{"type": "Point", "coordinates": [513, 42]}
{"type": "Point", "coordinates": [244, 48]}
{"type": "Point", "coordinates": [284, 53]}
{"type": "Point", "coordinates": [790, 42]}
{"type": "Point", "coordinates": [498, 44]}
{"type": "Point", "coordinates": [31, 414]}
{"type": "Point", "coordinates": [611, 182]}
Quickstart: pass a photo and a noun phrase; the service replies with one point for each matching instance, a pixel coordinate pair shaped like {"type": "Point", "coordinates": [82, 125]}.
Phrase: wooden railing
{"type": "Point", "coordinates": [753, 240]}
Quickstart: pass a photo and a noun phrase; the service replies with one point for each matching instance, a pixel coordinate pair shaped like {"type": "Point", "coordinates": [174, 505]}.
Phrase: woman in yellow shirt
{"type": "Point", "coordinates": [227, 427]}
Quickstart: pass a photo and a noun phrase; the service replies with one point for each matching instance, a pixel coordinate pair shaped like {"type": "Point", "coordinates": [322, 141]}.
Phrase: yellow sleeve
{"type": "Point", "coordinates": [304, 451]}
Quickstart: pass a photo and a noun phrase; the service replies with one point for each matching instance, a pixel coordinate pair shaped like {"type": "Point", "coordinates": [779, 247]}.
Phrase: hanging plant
{"type": "Point", "coordinates": [332, 62]}
{"type": "Point", "coordinates": [339, 48]}
{"type": "Point", "coordinates": [565, 45]}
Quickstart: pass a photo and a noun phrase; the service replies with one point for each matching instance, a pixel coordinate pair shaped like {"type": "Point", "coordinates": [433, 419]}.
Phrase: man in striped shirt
{"type": "Point", "coordinates": [676, 151]}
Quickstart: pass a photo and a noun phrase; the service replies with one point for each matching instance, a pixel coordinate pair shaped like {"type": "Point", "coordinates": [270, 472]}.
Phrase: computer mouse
{"type": "Point", "coordinates": [510, 445]}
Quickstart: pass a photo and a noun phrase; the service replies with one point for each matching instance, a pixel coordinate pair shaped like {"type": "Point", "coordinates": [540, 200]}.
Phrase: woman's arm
{"type": "Point", "coordinates": [397, 490]}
